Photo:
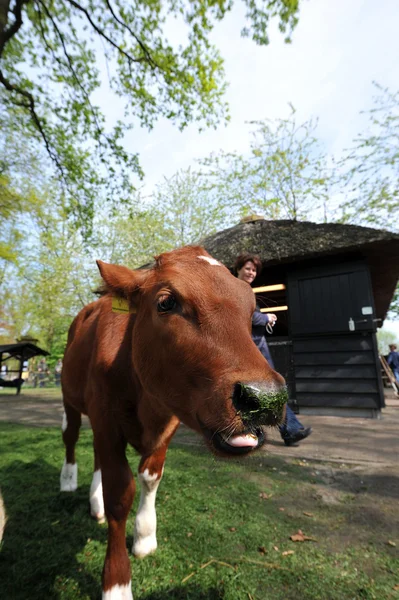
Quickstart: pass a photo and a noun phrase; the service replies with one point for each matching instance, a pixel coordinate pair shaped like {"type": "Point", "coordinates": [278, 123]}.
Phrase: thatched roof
{"type": "Point", "coordinates": [287, 241]}
{"type": "Point", "coordinates": [283, 242]}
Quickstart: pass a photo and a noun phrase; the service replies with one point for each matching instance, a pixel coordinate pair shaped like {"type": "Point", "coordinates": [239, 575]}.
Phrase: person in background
{"type": "Point", "coordinates": [57, 372]}
{"type": "Point", "coordinates": [247, 267]}
{"type": "Point", "coordinates": [393, 360]}
{"type": "Point", "coordinates": [3, 374]}
{"type": "Point", "coordinates": [42, 373]}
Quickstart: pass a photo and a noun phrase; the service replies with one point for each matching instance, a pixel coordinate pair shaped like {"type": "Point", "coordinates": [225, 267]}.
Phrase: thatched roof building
{"type": "Point", "coordinates": [335, 286]}
{"type": "Point", "coordinates": [286, 242]}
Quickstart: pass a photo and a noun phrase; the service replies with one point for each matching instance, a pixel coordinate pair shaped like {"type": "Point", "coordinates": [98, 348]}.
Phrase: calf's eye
{"type": "Point", "coordinates": [166, 303]}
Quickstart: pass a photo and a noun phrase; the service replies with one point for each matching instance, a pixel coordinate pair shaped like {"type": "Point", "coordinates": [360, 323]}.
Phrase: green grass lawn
{"type": "Point", "coordinates": [224, 530]}
{"type": "Point", "coordinates": [33, 393]}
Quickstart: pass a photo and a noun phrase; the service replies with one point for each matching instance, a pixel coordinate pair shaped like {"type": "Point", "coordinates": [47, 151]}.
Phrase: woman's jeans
{"type": "Point", "coordinates": [291, 425]}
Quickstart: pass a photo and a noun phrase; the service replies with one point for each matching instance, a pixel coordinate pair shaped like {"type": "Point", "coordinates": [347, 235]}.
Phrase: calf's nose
{"type": "Point", "coordinates": [254, 399]}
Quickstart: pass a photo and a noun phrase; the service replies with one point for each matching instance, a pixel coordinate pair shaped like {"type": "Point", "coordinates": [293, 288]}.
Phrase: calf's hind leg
{"type": "Point", "coordinates": [71, 422]}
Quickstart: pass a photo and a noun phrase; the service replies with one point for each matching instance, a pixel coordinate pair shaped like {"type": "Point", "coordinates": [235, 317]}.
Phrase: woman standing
{"type": "Point", "coordinates": [247, 267]}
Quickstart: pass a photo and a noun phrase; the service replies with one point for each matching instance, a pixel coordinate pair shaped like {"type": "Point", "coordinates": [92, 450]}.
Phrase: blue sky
{"type": "Point", "coordinates": [339, 47]}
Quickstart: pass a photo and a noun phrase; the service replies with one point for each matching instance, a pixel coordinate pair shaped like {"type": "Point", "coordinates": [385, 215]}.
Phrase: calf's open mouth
{"type": "Point", "coordinates": [238, 444]}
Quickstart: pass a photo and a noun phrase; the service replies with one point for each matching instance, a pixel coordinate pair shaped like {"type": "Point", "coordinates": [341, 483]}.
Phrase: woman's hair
{"type": "Point", "coordinates": [244, 258]}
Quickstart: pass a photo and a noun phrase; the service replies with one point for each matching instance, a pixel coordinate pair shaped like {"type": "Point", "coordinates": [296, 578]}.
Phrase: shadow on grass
{"type": "Point", "coordinates": [185, 593]}
{"type": "Point", "coordinates": [44, 534]}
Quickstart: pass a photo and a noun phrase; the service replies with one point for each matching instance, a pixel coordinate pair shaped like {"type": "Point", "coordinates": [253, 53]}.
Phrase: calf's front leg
{"type": "Point", "coordinates": [118, 491]}
{"type": "Point", "coordinates": [150, 473]}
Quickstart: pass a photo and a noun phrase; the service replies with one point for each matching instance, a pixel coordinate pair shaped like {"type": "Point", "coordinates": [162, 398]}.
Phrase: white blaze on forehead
{"type": "Point", "coordinates": [119, 592]}
{"type": "Point", "coordinates": [211, 261]}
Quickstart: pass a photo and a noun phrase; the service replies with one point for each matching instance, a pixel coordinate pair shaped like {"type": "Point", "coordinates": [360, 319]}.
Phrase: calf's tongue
{"type": "Point", "coordinates": [240, 441]}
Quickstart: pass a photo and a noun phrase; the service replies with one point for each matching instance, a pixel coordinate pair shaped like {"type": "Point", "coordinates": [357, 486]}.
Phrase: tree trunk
{"type": "Point", "coordinates": [4, 8]}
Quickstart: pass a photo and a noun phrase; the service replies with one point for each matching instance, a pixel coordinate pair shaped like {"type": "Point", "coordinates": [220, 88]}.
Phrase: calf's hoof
{"type": "Point", "coordinates": [144, 546]}
{"type": "Point", "coordinates": [69, 477]}
{"type": "Point", "coordinates": [100, 518]}
{"type": "Point", "coordinates": [118, 592]}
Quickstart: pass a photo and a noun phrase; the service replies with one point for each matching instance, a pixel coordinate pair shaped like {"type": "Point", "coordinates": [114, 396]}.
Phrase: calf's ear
{"type": "Point", "coordinates": [120, 280]}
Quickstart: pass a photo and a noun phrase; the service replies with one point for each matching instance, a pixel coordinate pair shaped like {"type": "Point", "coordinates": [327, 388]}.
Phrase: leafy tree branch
{"type": "Point", "coordinates": [371, 167]}
{"type": "Point", "coordinates": [49, 70]}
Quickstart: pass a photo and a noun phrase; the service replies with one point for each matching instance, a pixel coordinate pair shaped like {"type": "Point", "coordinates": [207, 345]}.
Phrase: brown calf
{"type": "Point", "coordinates": [184, 353]}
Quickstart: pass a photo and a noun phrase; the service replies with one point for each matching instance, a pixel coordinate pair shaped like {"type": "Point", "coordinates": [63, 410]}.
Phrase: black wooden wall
{"type": "Point", "coordinates": [337, 371]}
{"type": "Point", "coordinates": [334, 366]}
{"type": "Point", "coordinates": [281, 351]}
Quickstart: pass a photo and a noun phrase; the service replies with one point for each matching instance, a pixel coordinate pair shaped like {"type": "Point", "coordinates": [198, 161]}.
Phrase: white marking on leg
{"type": "Point", "coordinates": [119, 592]}
{"type": "Point", "coordinates": [211, 261]}
{"type": "Point", "coordinates": [64, 422]}
{"type": "Point", "coordinates": [69, 477]}
{"type": "Point", "coordinates": [145, 527]}
{"type": "Point", "coordinates": [96, 497]}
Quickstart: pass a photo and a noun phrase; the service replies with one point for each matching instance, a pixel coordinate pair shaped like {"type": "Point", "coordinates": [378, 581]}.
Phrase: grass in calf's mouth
{"type": "Point", "coordinates": [264, 404]}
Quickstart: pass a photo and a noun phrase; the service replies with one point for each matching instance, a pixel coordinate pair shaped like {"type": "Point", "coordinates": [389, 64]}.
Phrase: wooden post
{"type": "Point", "coordinates": [21, 366]}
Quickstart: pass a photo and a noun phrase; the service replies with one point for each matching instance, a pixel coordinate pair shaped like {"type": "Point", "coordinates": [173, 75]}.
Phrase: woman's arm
{"type": "Point", "coordinates": [260, 319]}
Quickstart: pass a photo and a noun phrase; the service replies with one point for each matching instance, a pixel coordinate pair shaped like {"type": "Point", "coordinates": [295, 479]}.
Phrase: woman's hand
{"type": "Point", "coordinates": [272, 318]}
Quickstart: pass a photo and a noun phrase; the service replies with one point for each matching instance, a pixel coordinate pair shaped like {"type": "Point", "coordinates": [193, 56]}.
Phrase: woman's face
{"type": "Point", "coordinates": [247, 272]}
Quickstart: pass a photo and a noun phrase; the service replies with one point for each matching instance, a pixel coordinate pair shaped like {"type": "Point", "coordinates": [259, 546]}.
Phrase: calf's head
{"type": "Point", "coordinates": [193, 350]}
